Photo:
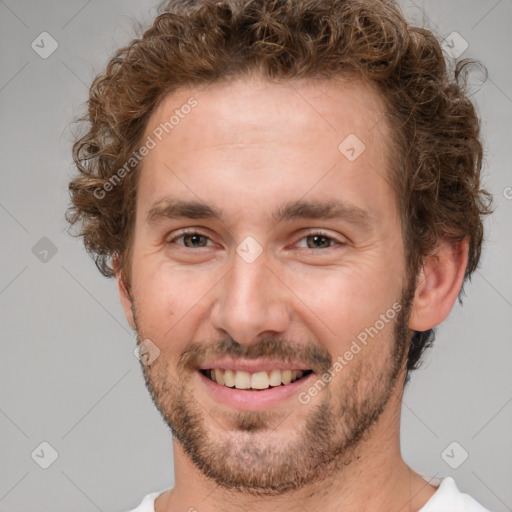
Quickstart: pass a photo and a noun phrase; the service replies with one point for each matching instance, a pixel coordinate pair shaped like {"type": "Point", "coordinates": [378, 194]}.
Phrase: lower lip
{"type": "Point", "coordinates": [248, 400]}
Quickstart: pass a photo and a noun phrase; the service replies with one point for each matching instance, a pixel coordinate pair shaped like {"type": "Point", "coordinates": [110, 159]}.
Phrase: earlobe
{"type": "Point", "coordinates": [124, 294]}
{"type": "Point", "coordinates": [438, 285]}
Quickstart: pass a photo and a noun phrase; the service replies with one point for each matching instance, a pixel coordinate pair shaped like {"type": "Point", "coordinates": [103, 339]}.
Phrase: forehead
{"type": "Point", "coordinates": [268, 137]}
{"type": "Point", "coordinates": [232, 108]}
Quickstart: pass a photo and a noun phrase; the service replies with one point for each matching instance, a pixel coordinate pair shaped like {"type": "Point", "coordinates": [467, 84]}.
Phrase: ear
{"type": "Point", "coordinates": [124, 293]}
{"type": "Point", "coordinates": [438, 285]}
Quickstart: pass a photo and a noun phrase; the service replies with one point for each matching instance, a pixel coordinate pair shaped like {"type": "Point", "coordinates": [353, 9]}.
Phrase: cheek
{"type": "Point", "coordinates": [170, 301]}
{"type": "Point", "coordinates": [341, 302]}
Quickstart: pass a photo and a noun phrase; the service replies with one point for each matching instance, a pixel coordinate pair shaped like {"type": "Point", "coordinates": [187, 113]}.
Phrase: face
{"type": "Point", "coordinates": [267, 247]}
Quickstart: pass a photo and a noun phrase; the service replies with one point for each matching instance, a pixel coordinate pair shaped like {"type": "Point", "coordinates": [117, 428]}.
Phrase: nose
{"type": "Point", "coordinates": [251, 300]}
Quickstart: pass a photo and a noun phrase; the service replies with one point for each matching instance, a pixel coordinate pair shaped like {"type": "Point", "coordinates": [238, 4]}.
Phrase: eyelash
{"type": "Point", "coordinates": [313, 233]}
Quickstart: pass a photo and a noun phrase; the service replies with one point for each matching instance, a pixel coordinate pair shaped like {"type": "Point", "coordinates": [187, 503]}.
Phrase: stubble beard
{"type": "Point", "coordinates": [245, 459]}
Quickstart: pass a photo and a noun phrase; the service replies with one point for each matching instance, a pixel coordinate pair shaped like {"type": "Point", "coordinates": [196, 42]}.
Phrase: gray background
{"type": "Point", "coordinates": [68, 375]}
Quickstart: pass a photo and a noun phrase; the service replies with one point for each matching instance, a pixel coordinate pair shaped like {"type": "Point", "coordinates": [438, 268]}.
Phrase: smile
{"type": "Point", "coordinates": [254, 381]}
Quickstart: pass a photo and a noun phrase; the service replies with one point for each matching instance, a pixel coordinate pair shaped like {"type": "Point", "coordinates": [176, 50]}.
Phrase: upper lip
{"type": "Point", "coordinates": [252, 365]}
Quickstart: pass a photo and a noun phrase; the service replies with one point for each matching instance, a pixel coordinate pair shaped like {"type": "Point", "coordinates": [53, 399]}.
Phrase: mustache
{"type": "Point", "coordinates": [269, 347]}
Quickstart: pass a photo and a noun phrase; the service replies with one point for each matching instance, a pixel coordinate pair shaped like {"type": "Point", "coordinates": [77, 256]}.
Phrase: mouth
{"type": "Point", "coordinates": [257, 381]}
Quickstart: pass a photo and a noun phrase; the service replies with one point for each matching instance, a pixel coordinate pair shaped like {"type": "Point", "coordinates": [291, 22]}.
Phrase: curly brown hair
{"type": "Point", "coordinates": [438, 157]}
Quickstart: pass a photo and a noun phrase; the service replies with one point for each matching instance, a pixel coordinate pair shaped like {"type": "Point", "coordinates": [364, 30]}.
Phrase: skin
{"type": "Point", "coordinates": [247, 148]}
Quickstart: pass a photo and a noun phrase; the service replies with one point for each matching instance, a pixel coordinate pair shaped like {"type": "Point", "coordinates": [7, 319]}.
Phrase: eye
{"type": "Point", "coordinates": [191, 240]}
{"type": "Point", "coordinates": [319, 240]}
{"type": "Point", "coordinates": [196, 240]}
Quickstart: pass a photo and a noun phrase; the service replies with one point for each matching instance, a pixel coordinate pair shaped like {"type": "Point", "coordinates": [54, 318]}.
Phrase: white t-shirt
{"type": "Point", "coordinates": [447, 498]}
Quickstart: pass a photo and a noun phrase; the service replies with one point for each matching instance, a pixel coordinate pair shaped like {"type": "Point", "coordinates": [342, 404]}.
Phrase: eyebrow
{"type": "Point", "coordinates": [177, 208]}
{"type": "Point", "coordinates": [323, 210]}
{"type": "Point", "coordinates": [170, 208]}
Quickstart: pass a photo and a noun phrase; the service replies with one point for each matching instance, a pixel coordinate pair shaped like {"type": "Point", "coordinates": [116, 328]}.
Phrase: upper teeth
{"type": "Point", "coordinates": [258, 380]}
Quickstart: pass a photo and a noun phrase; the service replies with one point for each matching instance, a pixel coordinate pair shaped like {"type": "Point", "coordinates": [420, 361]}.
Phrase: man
{"type": "Point", "coordinates": [288, 195]}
